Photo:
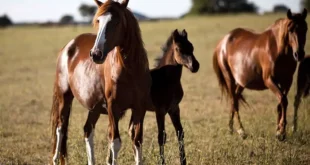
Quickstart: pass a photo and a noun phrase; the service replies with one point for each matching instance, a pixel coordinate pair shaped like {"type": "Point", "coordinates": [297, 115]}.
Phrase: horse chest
{"type": "Point", "coordinates": [86, 80]}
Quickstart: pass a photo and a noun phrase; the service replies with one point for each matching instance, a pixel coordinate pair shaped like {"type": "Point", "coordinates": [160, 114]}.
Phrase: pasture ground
{"type": "Point", "coordinates": [27, 71]}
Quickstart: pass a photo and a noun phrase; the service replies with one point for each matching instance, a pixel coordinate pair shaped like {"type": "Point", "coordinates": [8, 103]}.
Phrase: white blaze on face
{"type": "Point", "coordinates": [103, 21]}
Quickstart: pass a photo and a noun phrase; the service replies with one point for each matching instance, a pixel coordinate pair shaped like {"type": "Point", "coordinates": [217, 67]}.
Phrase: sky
{"type": "Point", "coordinates": [52, 10]}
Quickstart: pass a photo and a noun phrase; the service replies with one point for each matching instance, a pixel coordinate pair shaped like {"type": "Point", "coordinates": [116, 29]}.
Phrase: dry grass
{"type": "Point", "coordinates": [27, 71]}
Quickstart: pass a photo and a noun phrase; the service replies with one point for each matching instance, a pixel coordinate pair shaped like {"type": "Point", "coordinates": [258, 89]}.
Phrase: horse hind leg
{"type": "Point", "coordinates": [238, 97]}
{"type": "Point", "coordinates": [60, 119]}
{"type": "Point", "coordinates": [175, 118]}
{"type": "Point", "coordinates": [89, 131]}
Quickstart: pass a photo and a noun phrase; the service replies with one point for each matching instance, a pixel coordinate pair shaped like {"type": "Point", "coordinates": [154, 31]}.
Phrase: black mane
{"type": "Point", "coordinates": [164, 49]}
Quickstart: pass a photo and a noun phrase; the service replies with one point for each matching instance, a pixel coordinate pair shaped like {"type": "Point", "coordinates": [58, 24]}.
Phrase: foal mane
{"type": "Point", "coordinates": [133, 46]}
{"type": "Point", "coordinates": [165, 49]}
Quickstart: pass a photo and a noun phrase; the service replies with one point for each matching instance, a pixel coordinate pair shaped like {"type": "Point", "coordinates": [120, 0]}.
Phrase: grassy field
{"type": "Point", "coordinates": [27, 69]}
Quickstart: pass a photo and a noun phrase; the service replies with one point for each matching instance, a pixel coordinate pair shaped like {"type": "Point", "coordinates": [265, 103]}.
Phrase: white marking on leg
{"type": "Point", "coordinates": [138, 155]}
{"type": "Point", "coordinates": [130, 130]}
{"type": "Point", "coordinates": [115, 147]}
{"type": "Point", "coordinates": [90, 148]}
{"type": "Point", "coordinates": [59, 137]}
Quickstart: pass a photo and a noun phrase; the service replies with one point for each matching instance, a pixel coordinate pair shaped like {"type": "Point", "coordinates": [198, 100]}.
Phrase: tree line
{"type": "Point", "coordinates": [199, 7]}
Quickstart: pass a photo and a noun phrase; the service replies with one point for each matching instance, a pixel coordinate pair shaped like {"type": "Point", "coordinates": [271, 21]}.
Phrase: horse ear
{"type": "Point", "coordinates": [289, 14]}
{"type": "Point", "coordinates": [304, 13]}
{"type": "Point", "coordinates": [125, 3]}
{"type": "Point", "coordinates": [98, 3]}
{"type": "Point", "coordinates": [184, 33]}
{"type": "Point", "coordinates": [175, 34]}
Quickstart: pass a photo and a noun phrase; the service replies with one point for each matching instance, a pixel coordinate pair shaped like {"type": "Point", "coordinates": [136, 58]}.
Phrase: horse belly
{"type": "Point", "coordinates": [249, 77]}
{"type": "Point", "coordinates": [86, 86]}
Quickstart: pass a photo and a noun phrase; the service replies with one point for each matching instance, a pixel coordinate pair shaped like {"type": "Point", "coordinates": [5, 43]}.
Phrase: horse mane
{"type": "Point", "coordinates": [165, 49]}
{"type": "Point", "coordinates": [133, 46]}
{"type": "Point", "coordinates": [281, 27]}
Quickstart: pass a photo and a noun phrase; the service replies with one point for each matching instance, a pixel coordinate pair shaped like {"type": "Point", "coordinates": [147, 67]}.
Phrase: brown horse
{"type": "Point", "coordinates": [113, 77]}
{"type": "Point", "coordinates": [166, 90]}
{"type": "Point", "coordinates": [303, 86]}
{"type": "Point", "coordinates": [244, 59]}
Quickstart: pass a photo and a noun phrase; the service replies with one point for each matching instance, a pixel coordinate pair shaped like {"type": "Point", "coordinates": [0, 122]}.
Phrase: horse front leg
{"type": "Point", "coordinates": [175, 118]}
{"type": "Point", "coordinates": [89, 131]}
{"type": "Point", "coordinates": [282, 106]}
{"type": "Point", "coordinates": [113, 132]}
{"type": "Point", "coordinates": [160, 118]}
{"type": "Point", "coordinates": [137, 133]}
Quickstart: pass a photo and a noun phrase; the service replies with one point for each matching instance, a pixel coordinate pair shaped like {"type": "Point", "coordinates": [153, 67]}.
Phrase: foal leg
{"type": "Point", "coordinates": [302, 86]}
{"type": "Point", "coordinates": [160, 118]}
{"type": "Point", "coordinates": [89, 130]}
{"type": "Point", "coordinates": [60, 120]}
{"type": "Point", "coordinates": [281, 108]}
{"type": "Point", "coordinates": [175, 118]}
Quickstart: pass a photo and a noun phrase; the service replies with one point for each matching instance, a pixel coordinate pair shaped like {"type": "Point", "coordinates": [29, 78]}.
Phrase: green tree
{"type": "Point", "coordinates": [66, 19]}
{"type": "Point", "coordinates": [305, 4]}
{"type": "Point", "coordinates": [221, 6]}
{"type": "Point", "coordinates": [87, 11]}
{"type": "Point", "coordinates": [280, 8]}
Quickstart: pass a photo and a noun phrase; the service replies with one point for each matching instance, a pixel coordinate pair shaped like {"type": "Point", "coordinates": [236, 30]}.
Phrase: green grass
{"type": "Point", "coordinates": [27, 70]}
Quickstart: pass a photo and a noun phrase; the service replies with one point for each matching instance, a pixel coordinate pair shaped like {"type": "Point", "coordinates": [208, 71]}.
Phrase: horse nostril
{"type": "Point", "coordinates": [90, 54]}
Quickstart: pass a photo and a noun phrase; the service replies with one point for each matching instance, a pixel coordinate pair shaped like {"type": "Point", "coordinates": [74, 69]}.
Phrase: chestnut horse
{"type": "Point", "coordinates": [113, 77]}
{"type": "Point", "coordinates": [244, 59]}
{"type": "Point", "coordinates": [303, 86]}
{"type": "Point", "coordinates": [166, 90]}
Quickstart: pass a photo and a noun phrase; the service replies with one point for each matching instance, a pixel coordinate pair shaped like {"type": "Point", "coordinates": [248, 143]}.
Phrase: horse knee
{"type": "Point", "coordinates": [284, 101]}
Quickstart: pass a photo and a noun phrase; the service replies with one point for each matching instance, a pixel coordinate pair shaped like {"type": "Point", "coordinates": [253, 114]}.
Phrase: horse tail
{"type": "Point", "coordinates": [221, 79]}
{"type": "Point", "coordinates": [219, 74]}
{"type": "Point", "coordinates": [55, 114]}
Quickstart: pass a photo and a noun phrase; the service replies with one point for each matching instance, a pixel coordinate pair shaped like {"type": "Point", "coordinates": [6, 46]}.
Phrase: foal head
{"type": "Point", "coordinates": [296, 33]}
{"type": "Point", "coordinates": [110, 22]}
{"type": "Point", "coordinates": [183, 51]}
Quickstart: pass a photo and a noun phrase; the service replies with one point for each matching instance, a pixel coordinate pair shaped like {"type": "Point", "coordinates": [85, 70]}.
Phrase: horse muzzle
{"type": "Point", "coordinates": [195, 67]}
{"type": "Point", "coordinates": [97, 56]}
{"type": "Point", "coordinates": [299, 55]}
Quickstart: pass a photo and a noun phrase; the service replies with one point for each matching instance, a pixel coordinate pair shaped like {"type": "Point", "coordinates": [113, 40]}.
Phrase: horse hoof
{"type": "Point", "coordinates": [242, 134]}
{"type": "Point", "coordinates": [280, 136]}
{"type": "Point", "coordinates": [294, 129]}
{"type": "Point", "coordinates": [162, 162]}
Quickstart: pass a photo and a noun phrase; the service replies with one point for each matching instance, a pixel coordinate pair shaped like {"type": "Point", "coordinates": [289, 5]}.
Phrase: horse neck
{"type": "Point", "coordinates": [167, 58]}
{"type": "Point", "coordinates": [278, 35]}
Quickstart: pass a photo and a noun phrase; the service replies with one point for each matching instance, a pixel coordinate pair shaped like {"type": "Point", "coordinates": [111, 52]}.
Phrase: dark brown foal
{"type": "Point", "coordinates": [166, 89]}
